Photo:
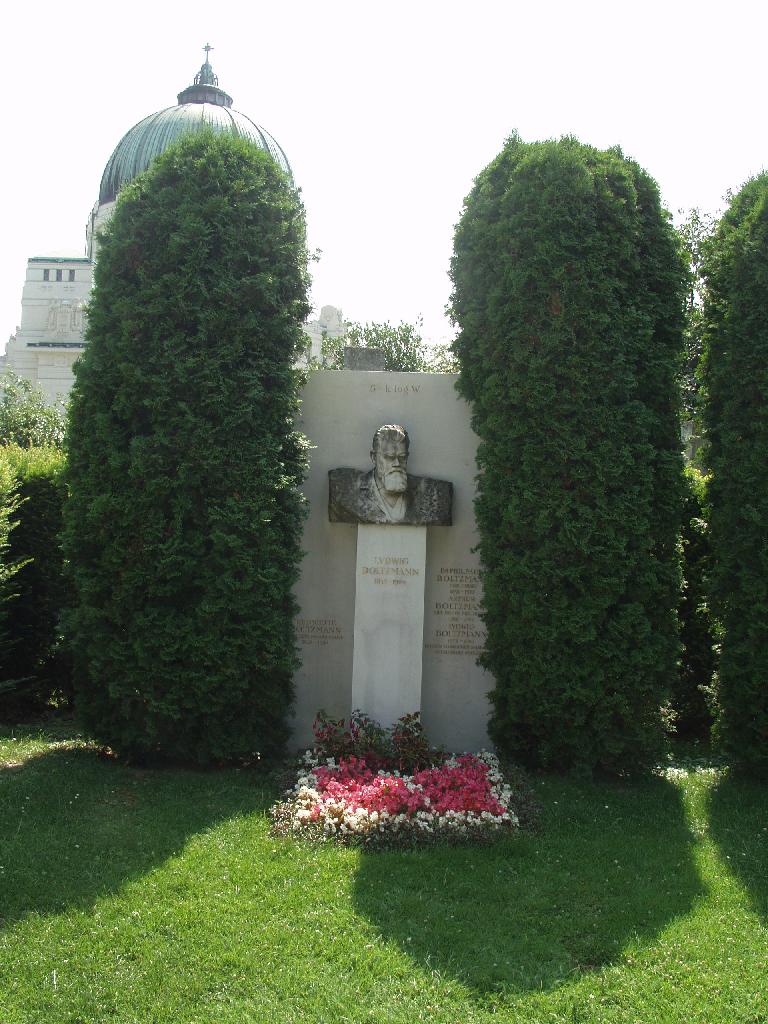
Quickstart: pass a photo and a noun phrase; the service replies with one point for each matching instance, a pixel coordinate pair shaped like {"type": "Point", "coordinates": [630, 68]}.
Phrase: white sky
{"type": "Point", "coordinates": [386, 112]}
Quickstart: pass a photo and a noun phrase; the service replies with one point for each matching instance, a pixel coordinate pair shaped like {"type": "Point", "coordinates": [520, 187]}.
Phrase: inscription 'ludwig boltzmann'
{"type": "Point", "coordinates": [388, 493]}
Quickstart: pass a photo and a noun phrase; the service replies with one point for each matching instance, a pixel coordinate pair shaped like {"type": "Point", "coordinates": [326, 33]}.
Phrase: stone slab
{"type": "Point", "coordinates": [388, 636]}
{"type": "Point", "coordinates": [341, 409]}
{"type": "Point", "coordinates": [357, 358]}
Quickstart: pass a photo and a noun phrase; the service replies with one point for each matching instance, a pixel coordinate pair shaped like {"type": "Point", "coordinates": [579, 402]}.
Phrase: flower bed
{"type": "Point", "coordinates": [367, 798]}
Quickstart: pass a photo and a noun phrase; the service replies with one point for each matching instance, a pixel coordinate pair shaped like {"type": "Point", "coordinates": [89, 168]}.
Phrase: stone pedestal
{"type": "Point", "coordinates": [389, 620]}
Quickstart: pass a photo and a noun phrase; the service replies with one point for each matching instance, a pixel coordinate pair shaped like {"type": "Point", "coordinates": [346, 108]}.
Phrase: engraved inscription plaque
{"type": "Point", "coordinates": [458, 628]}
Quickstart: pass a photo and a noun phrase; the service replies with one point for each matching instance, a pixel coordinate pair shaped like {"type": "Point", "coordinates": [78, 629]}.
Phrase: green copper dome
{"type": "Point", "coordinates": [202, 104]}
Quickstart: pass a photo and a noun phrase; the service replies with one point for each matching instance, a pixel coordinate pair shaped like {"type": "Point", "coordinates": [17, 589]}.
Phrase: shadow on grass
{"type": "Point", "coordinates": [738, 816]}
{"type": "Point", "coordinates": [612, 866]}
{"type": "Point", "coordinates": [75, 826]}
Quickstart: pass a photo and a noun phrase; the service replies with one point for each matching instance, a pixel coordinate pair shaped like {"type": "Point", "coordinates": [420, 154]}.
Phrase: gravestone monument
{"type": "Point", "coordinates": [389, 591]}
{"type": "Point", "coordinates": [392, 510]}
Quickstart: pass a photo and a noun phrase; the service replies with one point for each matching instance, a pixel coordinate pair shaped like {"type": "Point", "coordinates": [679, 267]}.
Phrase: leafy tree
{"type": "Point", "coordinates": [402, 344]}
{"type": "Point", "coordinates": [442, 358]}
{"type": "Point", "coordinates": [568, 293]}
{"type": "Point", "coordinates": [735, 383]}
{"type": "Point", "coordinates": [693, 233]}
{"type": "Point", "coordinates": [331, 353]}
{"type": "Point", "coordinates": [185, 518]}
{"type": "Point", "coordinates": [26, 418]}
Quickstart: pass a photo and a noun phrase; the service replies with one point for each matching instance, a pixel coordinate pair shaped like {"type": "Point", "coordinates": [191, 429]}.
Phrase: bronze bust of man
{"type": "Point", "coordinates": [387, 493]}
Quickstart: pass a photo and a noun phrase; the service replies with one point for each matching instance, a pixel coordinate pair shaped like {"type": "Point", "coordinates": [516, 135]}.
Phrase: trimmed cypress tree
{"type": "Point", "coordinates": [735, 378]}
{"type": "Point", "coordinates": [184, 522]}
{"type": "Point", "coordinates": [568, 292]}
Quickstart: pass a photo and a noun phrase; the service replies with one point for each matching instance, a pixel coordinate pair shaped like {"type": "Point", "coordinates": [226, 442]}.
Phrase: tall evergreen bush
{"type": "Point", "coordinates": [568, 292]}
{"type": "Point", "coordinates": [184, 522]}
{"type": "Point", "coordinates": [735, 378]}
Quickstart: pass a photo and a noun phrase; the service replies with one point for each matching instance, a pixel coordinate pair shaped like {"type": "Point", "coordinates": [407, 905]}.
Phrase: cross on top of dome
{"type": "Point", "coordinates": [205, 75]}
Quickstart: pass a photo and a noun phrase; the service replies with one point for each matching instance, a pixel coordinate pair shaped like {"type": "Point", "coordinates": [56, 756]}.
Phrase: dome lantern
{"type": "Point", "coordinates": [205, 88]}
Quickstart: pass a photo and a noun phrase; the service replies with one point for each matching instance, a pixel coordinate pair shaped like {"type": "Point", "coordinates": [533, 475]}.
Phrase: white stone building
{"type": "Point", "coordinates": [51, 334]}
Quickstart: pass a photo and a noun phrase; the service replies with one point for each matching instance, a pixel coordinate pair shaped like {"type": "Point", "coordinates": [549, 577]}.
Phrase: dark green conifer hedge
{"type": "Point", "coordinates": [35, 666]}
{"type": "Point", "coordinates": [568, 292]}
{"type": "Point", "coordinates": [184, 522]}
{"type": "Point", "coordinates": [735, 378]}
{"type": "Point", "coordinates": [9, 566]}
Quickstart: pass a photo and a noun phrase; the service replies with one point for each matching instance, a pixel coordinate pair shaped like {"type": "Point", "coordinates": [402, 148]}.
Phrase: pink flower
{"type": "Point", "coordinates": [461, 787]}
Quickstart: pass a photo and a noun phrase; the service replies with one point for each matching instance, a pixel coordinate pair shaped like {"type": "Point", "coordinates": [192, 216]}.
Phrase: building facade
{"type": "Point", "coordinates": [51, 334]}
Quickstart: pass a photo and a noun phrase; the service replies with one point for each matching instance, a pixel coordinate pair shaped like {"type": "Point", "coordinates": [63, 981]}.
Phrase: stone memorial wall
{"type": "Point", "coordinates": [341, 411]}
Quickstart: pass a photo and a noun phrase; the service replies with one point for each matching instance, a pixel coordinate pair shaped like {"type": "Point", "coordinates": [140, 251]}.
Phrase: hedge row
{"type": "Point", "coordinates": [185, 521]}
{"type": "Point", "coordinates": [33, 662]}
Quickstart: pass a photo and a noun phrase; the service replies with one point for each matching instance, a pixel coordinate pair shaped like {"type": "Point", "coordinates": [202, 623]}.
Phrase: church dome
{"type": "Point", "coordinates": [202, 104]}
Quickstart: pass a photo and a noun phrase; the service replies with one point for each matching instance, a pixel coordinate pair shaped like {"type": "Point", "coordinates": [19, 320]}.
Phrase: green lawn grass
{"type": "Point", "coordinates": [159, 896]}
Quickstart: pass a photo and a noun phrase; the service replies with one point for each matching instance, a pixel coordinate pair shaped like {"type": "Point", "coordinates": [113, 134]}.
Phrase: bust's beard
{"type": "Point", "coordinates": [395, 481]}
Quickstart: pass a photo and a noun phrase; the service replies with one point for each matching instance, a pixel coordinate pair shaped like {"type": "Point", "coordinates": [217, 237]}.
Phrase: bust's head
{"type": "Point", "coordinates": [389, 455]}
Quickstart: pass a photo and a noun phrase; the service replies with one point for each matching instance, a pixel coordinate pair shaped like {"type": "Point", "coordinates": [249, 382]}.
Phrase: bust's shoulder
{"type": "Point", "coordinates": [430, 501]}
{"type": "Point", "coordinates": [348, 495]}
{"type": "Point", "coordinates": [350, 477]}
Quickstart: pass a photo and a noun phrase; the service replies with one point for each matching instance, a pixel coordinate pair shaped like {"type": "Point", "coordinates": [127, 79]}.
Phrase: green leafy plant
{"type": "Point", "coordinates": [9, 566]}
{"type": "Point", "coordinates": [694, 232]}
{"type": "Point", "coordinates": [568, 293]}
{"type": "Point", "coordinates": [410, 745]}
{"type": "Point", "coordinates": [27, 419]}
{"type": "Point", "coordinates": [403, 746]}
{"type": "Point", "coordinates": [184, 522]}
{"type": "Point", "coordinates": [402, 344]}
{"type": "Point", "coordinates": [442, 358]}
